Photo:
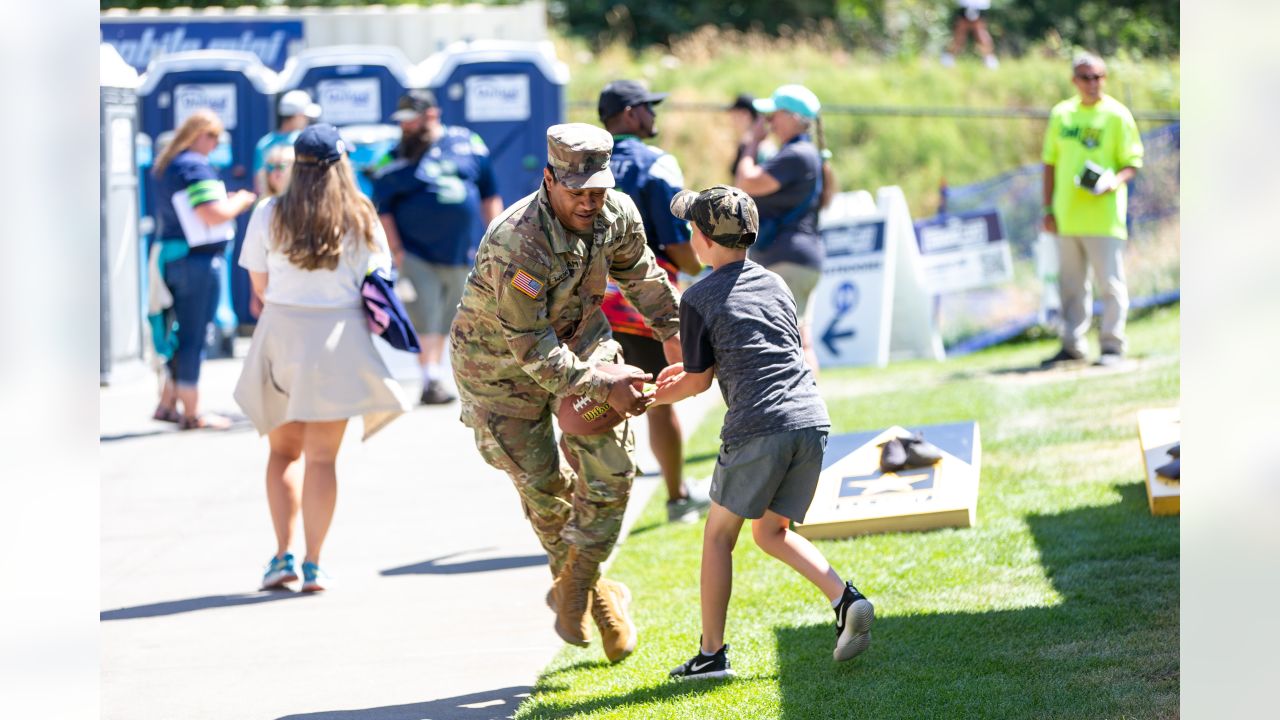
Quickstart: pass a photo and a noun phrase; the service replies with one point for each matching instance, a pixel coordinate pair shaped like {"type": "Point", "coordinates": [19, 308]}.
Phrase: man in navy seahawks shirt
{"type": "Point", "coordinates": [435, 201]}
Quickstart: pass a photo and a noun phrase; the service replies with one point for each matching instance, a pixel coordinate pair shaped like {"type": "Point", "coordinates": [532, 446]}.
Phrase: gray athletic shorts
{"type": "Point", "coordinates": [776, 472]}
{"type": "Point", "coordinates": [439, 289]}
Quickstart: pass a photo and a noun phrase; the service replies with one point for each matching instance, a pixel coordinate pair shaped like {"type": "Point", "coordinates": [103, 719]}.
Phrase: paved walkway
{"type": "Point", "coordinates": [437, 607]}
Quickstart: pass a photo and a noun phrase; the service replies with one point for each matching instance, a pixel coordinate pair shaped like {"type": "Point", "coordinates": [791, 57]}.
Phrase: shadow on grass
{"type": "Point", "coordinates": [642, 700]}
{"type": "Point", "coordinates": [490, 705]}
{"type": "Point", "coordinates": [174, 607]}
{"type": "Point", "coordinates": [1110, 649]}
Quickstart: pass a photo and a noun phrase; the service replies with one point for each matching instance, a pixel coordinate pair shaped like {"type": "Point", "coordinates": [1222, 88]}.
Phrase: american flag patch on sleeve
{"type": "Point", "coordinates": [525, 283]}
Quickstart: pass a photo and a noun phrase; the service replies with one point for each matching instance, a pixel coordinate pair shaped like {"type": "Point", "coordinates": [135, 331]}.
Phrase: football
{"type": "Point", "coordinates": [580, 415]}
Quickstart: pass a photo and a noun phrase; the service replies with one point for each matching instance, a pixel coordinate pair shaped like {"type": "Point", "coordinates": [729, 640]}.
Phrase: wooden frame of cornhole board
{"type": "Point", "coordinates": [855, 498]}
{"type": "Point", "coordinates": [1159, 430]}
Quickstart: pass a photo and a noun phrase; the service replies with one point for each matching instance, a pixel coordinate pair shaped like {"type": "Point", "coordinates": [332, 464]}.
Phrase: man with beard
{"type": "Point", "coordinates": [435, 197]}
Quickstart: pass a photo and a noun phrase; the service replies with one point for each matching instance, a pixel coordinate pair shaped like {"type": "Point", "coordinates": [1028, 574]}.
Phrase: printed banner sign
{"type": "Point", "coordinates": [140, 42]}
{"type": "Point", "coordinates": [497, 98]}
{"type": "Point", "coordinates": [349, 102]}
{"type": "Point", "coordinates": [849, 300]}
{"type": "Point", "coordinates": [966, 251]}
{"type": "Point", "coordinates": [218, 97]}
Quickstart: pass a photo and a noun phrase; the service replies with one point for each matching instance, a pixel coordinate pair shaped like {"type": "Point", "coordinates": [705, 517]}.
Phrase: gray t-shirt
{"type": "Point", "coordinates": [798, 169]}
{"type": "Point", "coordinates": [741, 320]}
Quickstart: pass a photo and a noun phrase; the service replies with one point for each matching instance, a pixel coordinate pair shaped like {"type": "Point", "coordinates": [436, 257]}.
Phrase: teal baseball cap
{"type": "Point", "coordinates": [797, 99]}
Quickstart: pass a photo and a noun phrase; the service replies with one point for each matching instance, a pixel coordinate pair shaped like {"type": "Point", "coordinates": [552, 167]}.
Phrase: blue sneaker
{"type": "Point", "coordinates": [279, 571]}
{"type": "Point", "coordinates": [313, 578]}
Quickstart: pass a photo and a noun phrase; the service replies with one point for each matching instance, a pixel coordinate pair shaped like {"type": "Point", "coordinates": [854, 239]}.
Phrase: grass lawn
{"type": "Point", "coordinates": [1061, 603]}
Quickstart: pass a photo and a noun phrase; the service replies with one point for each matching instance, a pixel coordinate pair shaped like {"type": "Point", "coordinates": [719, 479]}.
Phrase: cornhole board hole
{"type": "Point", "coordinates": [1159, 430]}
{"type": "Point", "coordinates": [855, 498]}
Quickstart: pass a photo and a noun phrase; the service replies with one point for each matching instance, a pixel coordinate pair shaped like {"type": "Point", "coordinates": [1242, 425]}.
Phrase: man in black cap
{"type": "Point", "coordinates": [435, 195]}
{"type": "Point", "coordinates": [651, 177]}
{"type": "Point", "coordinates": [743, 114]}
{"type": "Point", "coordinates": [412, 114]}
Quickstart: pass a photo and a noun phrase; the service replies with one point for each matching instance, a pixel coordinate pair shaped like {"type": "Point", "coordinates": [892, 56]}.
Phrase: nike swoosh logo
{"type": "Point", "coordinates": [695, 667]}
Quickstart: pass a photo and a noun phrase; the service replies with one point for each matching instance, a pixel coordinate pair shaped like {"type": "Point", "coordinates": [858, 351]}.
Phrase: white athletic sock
{"type": "Point", "coordinates": [430, 373]}
{"type": "Point", "coordinates": [835, 604]}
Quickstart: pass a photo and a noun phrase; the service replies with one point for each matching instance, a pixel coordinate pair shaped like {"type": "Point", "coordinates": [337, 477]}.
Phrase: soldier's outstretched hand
{"type": "Point", "coordinates": [627, 390]}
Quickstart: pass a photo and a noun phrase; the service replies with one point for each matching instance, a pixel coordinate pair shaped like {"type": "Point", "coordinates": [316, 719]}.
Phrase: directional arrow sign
{"type": "Point", "coordinates": [846, 299]}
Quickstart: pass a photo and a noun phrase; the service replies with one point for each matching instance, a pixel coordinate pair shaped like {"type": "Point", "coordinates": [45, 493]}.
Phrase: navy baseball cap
{"type": "Point", "coordinates": [622, 94]}
{"type": "Point", "coordinates": [319, 145]}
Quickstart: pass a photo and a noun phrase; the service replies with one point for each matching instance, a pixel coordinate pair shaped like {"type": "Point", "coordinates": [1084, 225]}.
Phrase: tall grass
{"type": "Point", "coordinates": [916, 153]}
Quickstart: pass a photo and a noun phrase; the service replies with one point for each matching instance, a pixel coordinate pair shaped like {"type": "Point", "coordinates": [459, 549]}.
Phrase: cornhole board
{"type": "Point", "coordinates": [855, 498]}
{"type": "Point", "coordinates": [1159, 430]}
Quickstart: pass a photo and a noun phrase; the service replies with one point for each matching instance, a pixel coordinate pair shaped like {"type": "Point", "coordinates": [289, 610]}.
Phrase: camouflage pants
{"type": "Point", "coordinates": [579, 501]}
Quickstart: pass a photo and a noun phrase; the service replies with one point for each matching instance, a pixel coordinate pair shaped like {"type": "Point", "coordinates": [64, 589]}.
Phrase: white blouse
{"type": "Point", "coordinates": [288, 284]}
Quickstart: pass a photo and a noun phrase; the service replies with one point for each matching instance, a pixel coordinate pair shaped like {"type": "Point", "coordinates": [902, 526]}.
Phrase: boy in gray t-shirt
{"type": "Point", "coordinates": [739, 324]}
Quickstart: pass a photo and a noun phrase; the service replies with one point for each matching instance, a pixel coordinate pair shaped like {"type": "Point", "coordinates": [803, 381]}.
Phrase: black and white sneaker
{"type": "Point", "coordinates": [854, 616]}
{"type": "Point", "coordinates": [705, 667]}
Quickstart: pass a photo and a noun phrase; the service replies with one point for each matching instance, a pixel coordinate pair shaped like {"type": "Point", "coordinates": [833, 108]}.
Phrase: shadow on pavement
{"type": "Point", "coordinates": [239, 423]}
{"type": "Point", "coordinates": [434, 566]}
{"type": "Point", "coordinates": [1109, 649]}
{"type": "Point", "coordinates": [490, 705]}
{"type": "Point", "coordinates": [173, 607]}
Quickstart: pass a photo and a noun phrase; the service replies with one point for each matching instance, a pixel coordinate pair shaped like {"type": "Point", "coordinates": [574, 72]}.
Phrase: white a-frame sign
{"type": "Point", "coordinates": [871, 305]}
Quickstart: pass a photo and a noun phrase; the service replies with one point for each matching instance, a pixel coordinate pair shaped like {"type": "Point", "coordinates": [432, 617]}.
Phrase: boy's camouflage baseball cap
{"type": "Point", "coordinates": [580, 154]}
{"type": "Point", "coordinates": [723, 213]}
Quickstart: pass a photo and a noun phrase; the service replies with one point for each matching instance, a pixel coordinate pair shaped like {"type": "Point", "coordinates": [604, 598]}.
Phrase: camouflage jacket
{"type": "Point", "coordinates": [530, 325]}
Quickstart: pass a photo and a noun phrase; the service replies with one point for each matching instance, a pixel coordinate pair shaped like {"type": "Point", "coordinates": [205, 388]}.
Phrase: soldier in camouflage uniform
{"type": "Point", "coordinates": [530, 330]}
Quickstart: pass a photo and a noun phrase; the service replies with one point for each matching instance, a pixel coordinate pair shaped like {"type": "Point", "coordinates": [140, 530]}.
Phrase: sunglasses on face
{"type": "Point", "coordinates": [278, 167]}
{"type": "Point", "coordinates": [1091, 78]}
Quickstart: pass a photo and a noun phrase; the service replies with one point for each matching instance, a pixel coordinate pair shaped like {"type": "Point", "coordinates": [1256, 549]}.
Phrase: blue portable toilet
{"type": "Point", "coordinates": [353, 84]}
{"type": "Point", "coordinates": [241, 91]}
{"type": "Point", "coordinates": [507, 92]}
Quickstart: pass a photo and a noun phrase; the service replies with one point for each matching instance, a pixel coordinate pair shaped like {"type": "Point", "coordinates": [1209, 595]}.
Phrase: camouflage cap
{"type": "Point", "coordinates": [723, 213]}
{"type": "Point", "coordinates": [579, 153]}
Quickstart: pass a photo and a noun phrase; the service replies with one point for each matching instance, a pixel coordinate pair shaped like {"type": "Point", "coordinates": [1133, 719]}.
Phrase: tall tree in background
{"type": "Point", "coordinates": [887, 27]}
{"type": "Point", "coordinates": [640, 24]}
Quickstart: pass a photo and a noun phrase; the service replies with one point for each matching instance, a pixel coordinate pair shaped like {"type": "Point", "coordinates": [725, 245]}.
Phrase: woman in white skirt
{"type": "Point", "coordinates": [312, 364]}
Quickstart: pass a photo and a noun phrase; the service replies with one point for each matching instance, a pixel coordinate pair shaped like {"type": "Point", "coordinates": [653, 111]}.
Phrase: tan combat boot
{"type": "Point", "coordinates": [609, 609]}
{"type": "Point", "coordinates": [570, 597]}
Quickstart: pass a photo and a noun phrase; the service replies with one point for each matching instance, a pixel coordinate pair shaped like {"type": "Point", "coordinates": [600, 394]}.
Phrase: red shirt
{"type": "Point", "coordinates": [626, 319]}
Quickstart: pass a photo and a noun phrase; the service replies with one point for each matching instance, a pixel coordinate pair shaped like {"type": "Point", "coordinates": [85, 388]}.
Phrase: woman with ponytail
{"type": "Point", "coordinates": [194, 217]}
{"type": "Point", "coordinates": [312, 364]}
{"type": "Point", "coordinates": [789, 189]}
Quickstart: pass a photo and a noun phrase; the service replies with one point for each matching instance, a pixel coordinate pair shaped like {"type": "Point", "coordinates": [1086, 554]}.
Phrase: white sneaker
{"type": "Point", "coordinates": [947, 60]}
{"type": "Point", "coordinates": [992, 62]}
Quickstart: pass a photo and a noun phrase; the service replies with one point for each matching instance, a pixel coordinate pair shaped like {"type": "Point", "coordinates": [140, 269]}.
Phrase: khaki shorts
{"type": "Point", "coordinates": [776, 472]}
{"type": "Point", "coordinates": [438, 289]}
{"type": "Point", "coordinates": [800, 280]}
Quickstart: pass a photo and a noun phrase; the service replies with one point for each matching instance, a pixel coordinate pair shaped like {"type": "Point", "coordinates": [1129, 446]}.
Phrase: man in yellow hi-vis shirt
{"type": "Point", "coordinates": [1091, 152]}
